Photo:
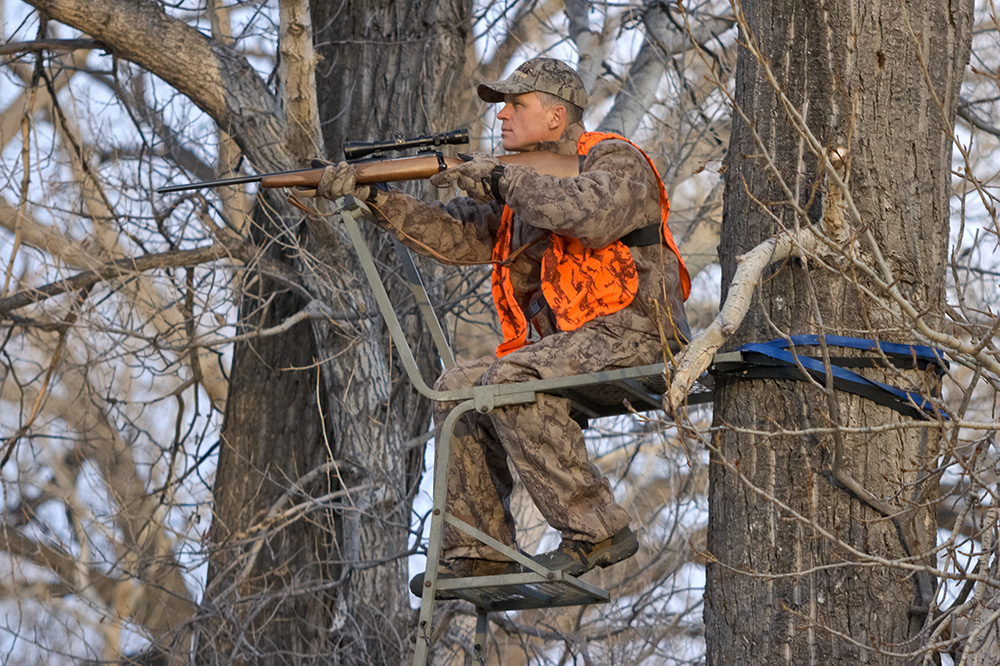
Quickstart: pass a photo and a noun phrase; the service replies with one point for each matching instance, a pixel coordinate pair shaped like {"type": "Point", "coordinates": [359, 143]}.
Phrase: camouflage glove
{"type": "Point", "coordinates": [479, 177]}
{"type": "Point", "coordinates": [341, 180]}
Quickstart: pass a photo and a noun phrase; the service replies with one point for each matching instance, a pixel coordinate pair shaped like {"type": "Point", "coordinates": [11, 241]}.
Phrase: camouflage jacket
{"type": "Point", "coordinates": [615, 193]}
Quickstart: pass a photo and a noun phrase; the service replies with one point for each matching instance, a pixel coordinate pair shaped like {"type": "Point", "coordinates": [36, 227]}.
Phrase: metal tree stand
{"type": "Point", "coordinates": [593, 395]}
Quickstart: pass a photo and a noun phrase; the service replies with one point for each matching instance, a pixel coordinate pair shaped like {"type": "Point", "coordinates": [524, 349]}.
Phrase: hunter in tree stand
{"type": "Point", "coordinates": [586, 277]}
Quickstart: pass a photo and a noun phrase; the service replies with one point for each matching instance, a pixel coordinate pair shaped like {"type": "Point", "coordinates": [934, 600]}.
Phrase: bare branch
{"type": "Point", "coordinates": [115, 270]}
{"type": "Point", "coordinates": [52, 45]}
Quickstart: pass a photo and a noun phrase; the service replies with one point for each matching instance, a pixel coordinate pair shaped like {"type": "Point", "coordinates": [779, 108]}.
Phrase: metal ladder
{"type": "Point", "coordinates": [593, 395]}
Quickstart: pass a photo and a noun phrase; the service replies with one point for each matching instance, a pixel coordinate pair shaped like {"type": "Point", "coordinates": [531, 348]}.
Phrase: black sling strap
{"type": "Point", "coordinates": [649, 235]}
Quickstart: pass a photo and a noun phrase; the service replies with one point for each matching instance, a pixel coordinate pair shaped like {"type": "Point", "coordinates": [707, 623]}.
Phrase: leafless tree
{"type": "Point", "coordinates": [210, 453]}
{"type": "Point", "coordinates": [823, 541]}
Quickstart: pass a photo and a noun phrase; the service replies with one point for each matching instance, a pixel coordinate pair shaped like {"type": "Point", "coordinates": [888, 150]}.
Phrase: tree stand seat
{"type": "Point", "coordinates": [614, 397]}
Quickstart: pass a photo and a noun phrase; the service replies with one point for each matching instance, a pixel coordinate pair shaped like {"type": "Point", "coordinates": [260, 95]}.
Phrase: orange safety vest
{"type": "Point", "coordinates": [578, 283]}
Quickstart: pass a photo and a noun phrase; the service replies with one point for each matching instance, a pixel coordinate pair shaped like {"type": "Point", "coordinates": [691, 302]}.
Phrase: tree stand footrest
{"type": "Point", "coordinates": [520, 591]}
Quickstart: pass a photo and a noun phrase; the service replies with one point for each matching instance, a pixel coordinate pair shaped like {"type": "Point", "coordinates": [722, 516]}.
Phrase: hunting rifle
{"type": "Point", "coordinates": [374, 167]}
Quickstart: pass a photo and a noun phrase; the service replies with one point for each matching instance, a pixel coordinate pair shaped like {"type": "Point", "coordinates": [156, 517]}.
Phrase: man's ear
{"type": "Point", "coordinates": [557, 115]}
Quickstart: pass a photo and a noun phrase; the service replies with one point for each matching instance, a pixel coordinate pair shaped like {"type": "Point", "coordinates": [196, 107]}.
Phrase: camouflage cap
{"type": "Point", "coordinates": [538, 75]}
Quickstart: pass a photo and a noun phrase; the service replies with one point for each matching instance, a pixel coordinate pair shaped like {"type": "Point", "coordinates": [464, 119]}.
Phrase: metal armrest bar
{"type": "Point", "coordinates": [424, 304]}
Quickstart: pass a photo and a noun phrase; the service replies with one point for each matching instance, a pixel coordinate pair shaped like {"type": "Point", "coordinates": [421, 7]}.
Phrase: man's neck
{"type": "Point", "coordinates": [566, 144]}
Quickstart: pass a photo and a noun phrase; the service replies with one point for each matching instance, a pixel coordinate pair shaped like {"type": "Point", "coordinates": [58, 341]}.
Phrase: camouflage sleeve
{"type": "Point", "coordinates": [614, 194]}
{"type": "Point", "coordinates": [460, 231]}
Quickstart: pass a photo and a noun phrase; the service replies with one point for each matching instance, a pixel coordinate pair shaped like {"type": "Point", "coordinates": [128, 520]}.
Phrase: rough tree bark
{"type": "Point", "coordinates": [331, 589]}
{"type": "Point", "coordinates": [799, 570]}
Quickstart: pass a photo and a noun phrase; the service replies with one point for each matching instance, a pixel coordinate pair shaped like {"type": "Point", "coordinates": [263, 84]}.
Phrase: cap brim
{"type": "Point", "coordinates": [494, 92]}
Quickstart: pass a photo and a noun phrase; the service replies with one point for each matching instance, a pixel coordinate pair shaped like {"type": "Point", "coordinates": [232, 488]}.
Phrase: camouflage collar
{"type": "Point", "coordinates": [566, 145]}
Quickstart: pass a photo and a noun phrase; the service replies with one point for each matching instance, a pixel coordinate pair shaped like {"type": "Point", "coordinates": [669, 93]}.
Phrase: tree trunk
{"type": "Point", "coordinates": [330, 587]}
{"type": "Point", "coordinates": [802, 569]}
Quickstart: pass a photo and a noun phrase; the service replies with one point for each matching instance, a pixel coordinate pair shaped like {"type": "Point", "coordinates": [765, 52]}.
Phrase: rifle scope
{"type": "Point", "coordinates": [354, 150]}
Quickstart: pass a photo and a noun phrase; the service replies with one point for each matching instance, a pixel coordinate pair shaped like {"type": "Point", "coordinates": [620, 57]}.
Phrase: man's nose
{"type": "Point", "coordinates": [504, 113]}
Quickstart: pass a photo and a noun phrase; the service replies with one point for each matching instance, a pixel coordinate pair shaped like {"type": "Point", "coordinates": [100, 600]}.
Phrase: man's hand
{"type": "Point", "coordinates": [472, 177]}
{"type": "Point", "coordinates": [341, 180]}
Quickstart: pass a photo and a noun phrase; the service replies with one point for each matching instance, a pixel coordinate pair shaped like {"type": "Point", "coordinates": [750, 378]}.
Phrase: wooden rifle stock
{"type": "Point", "coordinates": [418, 168]}
{"type": "Point", "coordinates": [399, 169]}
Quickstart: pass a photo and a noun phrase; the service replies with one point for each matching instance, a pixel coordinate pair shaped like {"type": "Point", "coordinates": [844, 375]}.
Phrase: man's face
{"type": "Point", "coordinates": [525, 122]}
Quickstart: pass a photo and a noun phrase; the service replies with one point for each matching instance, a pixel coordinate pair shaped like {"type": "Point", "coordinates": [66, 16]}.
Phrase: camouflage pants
{"type": "Point", "coordinates": [544, 444]}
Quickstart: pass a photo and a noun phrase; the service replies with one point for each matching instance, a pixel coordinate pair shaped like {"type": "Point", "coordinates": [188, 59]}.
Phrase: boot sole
{"type": "Point", "coordinates": [617, 553]}
{"type": "Point", "coordinates": [613, 554]}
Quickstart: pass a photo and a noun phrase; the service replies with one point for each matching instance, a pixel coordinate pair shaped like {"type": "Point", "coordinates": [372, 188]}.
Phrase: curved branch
{"type": "Point", "coordinates": [697, 356]}
{"type": "Point", "coordinates": [215, 77]}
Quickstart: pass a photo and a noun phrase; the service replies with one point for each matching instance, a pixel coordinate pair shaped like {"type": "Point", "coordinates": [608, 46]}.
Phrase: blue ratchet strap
{"type": "Point", "coordinates": [923, 356]}
{"type": "Point", "coordinates": [771, 360]}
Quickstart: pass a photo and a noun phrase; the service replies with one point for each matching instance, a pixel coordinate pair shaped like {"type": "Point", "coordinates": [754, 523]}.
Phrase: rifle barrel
{"type": "Point", "coordinates": [207, 183]}
{"type": "Point", "coordinates": [238, 180]}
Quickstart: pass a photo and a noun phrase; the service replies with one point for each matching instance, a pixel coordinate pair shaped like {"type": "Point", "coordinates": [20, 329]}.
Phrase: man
{"type": "Point", "coordinates": [585, 278]}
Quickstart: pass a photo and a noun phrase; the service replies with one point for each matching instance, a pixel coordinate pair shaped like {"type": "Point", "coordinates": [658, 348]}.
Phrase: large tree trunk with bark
{"type": "Point", "coordinates": [325, 398]}
{"type": "Point", "coordinates": [804, 562]}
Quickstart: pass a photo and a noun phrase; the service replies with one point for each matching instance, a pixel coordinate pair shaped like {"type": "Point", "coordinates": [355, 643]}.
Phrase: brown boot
{"type": "Point", "coordinates": [463, 567]}
{"type": "Point", "coordinates": [579, 557]}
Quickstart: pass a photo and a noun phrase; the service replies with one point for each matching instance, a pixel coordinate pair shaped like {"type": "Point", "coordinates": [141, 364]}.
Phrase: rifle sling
{"type": "Point", "coordinates": [649, 235]}
{"type": "Point", "coordinates": [535, 307]}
